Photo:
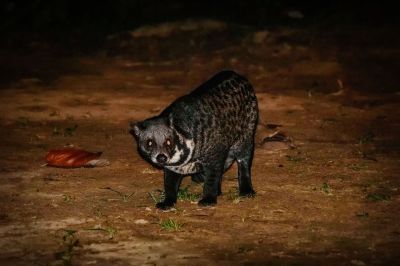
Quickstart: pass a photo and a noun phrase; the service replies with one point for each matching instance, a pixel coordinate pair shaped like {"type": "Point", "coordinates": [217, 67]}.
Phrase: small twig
{"type": "Point", "coordinates": [281, 137]}
{"type": "Point", "coordinates": [111, 231]}
{"type": "Point", "coordinates": [124, 197]}
{"type": "Point", "coordinates": [341, 90]}
{"type": "Point", "coordinates": [152, 197]}
{"type": "Point", "coordinates": [199, 214]}
{"type": "Point", "coordinates": [116, 191]}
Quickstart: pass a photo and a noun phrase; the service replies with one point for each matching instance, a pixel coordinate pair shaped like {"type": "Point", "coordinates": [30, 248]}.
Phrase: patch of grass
{"type": "Point", "coordinates": [233, 195]}
{"type": "Point", "coordinates": [124, 197]}
{"type": "Point", "coordinates": [69, 233]}
{"type": "Point", "coordinates": [66, 132]}
{"type": "Point", "coordinates": [98, 213]}
{"type": "Point", "coordinates": [185, 194]}
{"type": "Point", "coordinates": [295, 159]}
{"type": "Point", "coordinates": [111, 231]}
{"type": "Point", "coordinates": [67, 198]}
{"type": "Point", "coordinates": [378, 197]}
{"type": "Point", "coordinates": [157, 196]}
{"type": "Point", "coordinates": [70, 242]}
{"type": "Point", "coordinates": [326, 188]}
{"type": "Point", "coordinates": [170, 225]}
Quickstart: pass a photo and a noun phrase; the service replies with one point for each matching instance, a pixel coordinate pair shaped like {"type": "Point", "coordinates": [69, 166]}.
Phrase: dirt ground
{"type": "Point", "coordinates": [328, 196]}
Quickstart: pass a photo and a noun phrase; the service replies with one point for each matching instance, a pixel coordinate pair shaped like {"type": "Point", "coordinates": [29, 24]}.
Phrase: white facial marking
{"type": "Point", "coordinates": [153, 159]}
{"type": "Point", "coordinates": [190, 145]}
{"type": "Point", "coordinates": [186, 167]}
{"type": "Point", "coordinates": [177, 155]}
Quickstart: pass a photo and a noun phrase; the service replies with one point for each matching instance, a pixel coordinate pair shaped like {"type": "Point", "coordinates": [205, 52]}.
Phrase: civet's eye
{"type": "Point", "coordinates": [168, 142]}
{"type": "Point", "coordinates": [149, 143]}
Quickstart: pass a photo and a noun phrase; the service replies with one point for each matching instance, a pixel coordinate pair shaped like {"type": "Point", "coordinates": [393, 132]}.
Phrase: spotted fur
{"type": "Point", "coordinates": [207, 130]}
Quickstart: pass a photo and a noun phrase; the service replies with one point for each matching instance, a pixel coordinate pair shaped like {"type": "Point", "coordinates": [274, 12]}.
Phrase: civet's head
{"type": "Point", "coordinates": [160, 143]}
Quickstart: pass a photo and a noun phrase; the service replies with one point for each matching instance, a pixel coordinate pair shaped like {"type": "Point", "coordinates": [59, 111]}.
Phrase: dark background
{"type": "Point", "coordinates": [62, 27]}
{"type": "Point", "coordinates": [105, 16]}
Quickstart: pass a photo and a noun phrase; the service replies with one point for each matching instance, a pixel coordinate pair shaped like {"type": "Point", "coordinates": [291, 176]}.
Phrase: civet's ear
{"type": "Point", "coordinates": [135, 128]}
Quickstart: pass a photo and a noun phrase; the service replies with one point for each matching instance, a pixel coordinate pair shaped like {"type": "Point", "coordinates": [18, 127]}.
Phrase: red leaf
{"type": "Point", "coordinates": [70, 158]}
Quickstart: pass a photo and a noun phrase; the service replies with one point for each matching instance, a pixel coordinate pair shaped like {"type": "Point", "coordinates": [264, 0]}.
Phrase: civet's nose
{"type": "Point", "coordinates": [161, 158]}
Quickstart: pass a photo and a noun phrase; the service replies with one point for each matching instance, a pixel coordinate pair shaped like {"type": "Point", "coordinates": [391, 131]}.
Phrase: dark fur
{"type": "Point", "coordinates": [219, 118]}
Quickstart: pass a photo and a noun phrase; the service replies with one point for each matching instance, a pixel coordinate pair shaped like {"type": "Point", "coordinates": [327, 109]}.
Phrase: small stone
{"type": "Point", "coordinates": [141, 221]}
{"type": "Point", "coordinates": [149, 171]}
{"type": "Point", "coordinates": [260, 36]}
{"type": "Point", "coordinates": [357, 262]}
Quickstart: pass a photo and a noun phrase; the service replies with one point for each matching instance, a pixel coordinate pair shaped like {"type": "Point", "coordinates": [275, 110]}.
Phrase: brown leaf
{"type": "Point", "coordinates": [279, 137]}
{"type": "Point", "coordinates": [70, 158]}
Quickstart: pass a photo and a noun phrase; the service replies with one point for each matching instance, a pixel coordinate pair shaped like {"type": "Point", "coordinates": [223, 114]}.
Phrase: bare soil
{"type": "Point", "coordinates": [331, 197]}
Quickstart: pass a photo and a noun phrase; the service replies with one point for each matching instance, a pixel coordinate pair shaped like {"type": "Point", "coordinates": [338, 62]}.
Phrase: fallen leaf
{"type": "Point", "coordinates": [279, 137]}
{"type": "Point", "coordinates": [72, 158]}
